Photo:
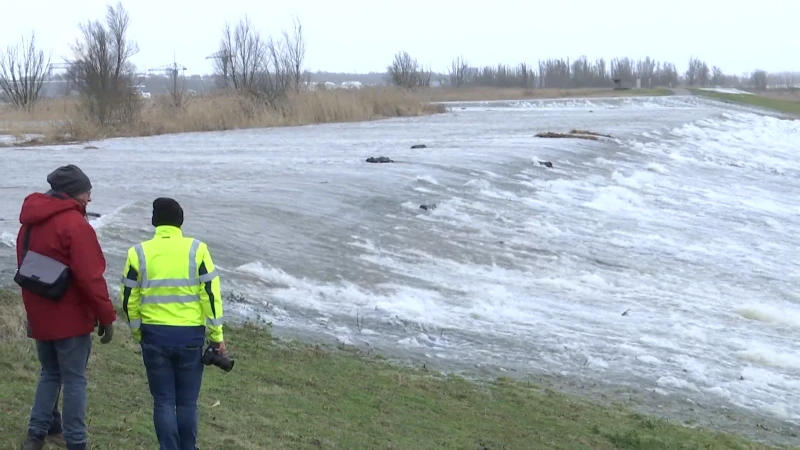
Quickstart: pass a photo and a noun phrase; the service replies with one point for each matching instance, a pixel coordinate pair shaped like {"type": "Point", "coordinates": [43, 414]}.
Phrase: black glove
{"type": "Point", "coordinates": [107, 332]}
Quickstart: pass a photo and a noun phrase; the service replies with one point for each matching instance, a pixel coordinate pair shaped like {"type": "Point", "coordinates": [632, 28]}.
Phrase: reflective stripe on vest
{"type": "Point", "coordinates": [193, 280]}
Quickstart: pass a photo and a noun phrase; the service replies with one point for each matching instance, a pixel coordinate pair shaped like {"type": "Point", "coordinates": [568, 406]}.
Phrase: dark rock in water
{"type": "Point", "coordinates": [574, 134]}
{"type": "Point", "coordinates": [428, 207]}
{"type": "Point", "coordinates": [90, 147]}
{"type": "Point", "coordinates": [379, 159]}
{"type": "Point", "coordinates": [91, 214]}
{"type": "Point", "coordinates": [419, 146]}
{"type": "Point", "coordinates": [546, 164]}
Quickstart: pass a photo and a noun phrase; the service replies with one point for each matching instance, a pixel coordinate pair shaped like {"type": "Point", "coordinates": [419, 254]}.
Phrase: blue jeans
{"type": "Point", "coordinates": [63, 372]}
{"type": "Point", "coordinates": [175, 375]}
{"type": "Point", "coordinates": [55, 426]}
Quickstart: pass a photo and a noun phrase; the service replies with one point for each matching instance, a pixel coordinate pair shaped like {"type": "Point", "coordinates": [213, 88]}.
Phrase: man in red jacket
{"type": "Point", "coordinates": [62, 329]}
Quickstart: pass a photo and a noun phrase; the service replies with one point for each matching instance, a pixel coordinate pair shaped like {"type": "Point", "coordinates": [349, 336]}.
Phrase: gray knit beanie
{"type": "Point", "coordinates": [69, 180]}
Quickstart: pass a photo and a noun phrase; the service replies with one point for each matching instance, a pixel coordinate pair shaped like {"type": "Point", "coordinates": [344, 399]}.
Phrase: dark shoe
{"type": "Point", "coordinates": [76, 446]}
{"type": "Point", "coordinates": [56, 438]}
{"type": "Point", "coordinates": [32, 443]}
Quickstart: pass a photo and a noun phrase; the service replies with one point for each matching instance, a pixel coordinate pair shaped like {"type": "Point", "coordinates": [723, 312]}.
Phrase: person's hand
{"type": "Point", "coordinates": [106, 332]}
{"type": "Point", "coordinates": [221, 347]}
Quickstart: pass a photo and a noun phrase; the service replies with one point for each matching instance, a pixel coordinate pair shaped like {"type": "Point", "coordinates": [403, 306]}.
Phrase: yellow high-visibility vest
{"type": "Point", "coordinates": [170, 280]}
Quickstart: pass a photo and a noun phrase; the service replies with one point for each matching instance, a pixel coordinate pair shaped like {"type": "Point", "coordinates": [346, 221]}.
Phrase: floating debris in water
{"type": "Point", "coordinates": [574, 134]}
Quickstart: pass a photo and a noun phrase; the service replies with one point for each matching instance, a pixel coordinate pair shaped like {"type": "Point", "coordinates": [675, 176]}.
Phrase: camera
{"type": "Point", "coordinates": [213, 356]}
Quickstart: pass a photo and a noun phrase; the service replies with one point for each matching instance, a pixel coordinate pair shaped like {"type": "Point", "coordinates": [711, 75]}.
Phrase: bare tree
{"type": "Point", "coordinates": [717, 77]}
{"type": "Point", "coordinates": [406, 72]}
{"type": "Point", "coordinates": [459, 70]}
{"type": "Point", "coordinates": [242, 56]}
{"type": "Point", "coordinates": [697, 72]}
{"type": "Point", "coordinates": [266, 68]}
{"type": "Point", "coordinates": [276, 78]}
{"type": "Point", "coordinates": [101, 70]}
{"type": "Point", "coordinates": [23, 69]}
{"type": "Point", "coordinates": [759, 79]}
{"type": "Point", "coordinates": [294, 52]}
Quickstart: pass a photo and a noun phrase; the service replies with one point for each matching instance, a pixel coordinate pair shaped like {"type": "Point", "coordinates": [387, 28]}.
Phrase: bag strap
{"type": "Point", "coordinates": [26, 239]}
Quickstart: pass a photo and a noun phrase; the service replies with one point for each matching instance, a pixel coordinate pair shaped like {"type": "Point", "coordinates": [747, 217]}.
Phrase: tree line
{"type": "Point", "coordinates": [581, 72]}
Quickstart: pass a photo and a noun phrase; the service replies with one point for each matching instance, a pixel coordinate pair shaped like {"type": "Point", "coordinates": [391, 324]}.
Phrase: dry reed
{"type": "Point", "coordinates": [62, 120]}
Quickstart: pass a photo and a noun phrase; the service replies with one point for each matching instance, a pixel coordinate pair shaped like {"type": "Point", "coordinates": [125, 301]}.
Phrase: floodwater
{"type": "Point", "coordinates": [661, 262]}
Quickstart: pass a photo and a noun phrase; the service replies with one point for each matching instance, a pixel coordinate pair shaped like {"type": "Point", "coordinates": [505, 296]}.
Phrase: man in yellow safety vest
{"type": "Point", "coordinates": [171, 295]}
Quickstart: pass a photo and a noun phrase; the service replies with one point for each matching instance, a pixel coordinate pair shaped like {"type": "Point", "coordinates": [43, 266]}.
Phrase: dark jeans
{"type": "Point", "coordinates": [55, 425]}
{"type": "Point", "coordinates": [174, 375]}
{"type": "Point", "coordinates": [63, 372]}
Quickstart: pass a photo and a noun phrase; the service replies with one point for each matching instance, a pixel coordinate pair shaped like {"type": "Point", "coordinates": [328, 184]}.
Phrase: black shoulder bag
{"type": "Point", "coordinates": [41, 274]}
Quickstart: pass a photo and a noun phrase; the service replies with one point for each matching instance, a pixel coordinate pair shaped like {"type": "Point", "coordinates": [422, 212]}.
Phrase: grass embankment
{"type": "Point", "coordinates": [293, 395]}
{"type": "Point", "coordinates": [60, 120]}
{"type": "Point", "coordinates": [780, 101]}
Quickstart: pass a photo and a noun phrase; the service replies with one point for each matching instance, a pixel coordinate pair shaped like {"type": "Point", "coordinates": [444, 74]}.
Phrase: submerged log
{"type": "Point", "coordinates": [574, 134]}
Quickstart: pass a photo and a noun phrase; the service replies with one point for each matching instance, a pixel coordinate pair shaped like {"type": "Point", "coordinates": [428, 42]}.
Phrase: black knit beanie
{"type": "Point", "coordinates": [69, 180]}
{"type": "Point", "coordinates": [167, 211]}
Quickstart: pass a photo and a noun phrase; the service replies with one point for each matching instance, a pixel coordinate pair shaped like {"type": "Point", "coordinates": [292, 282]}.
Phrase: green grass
{"type": "Point", "coordinates": [654, 92]}
{"type": "Point", "coordinates": [295, 395]}
{"type": "Point", "coordinates": [774, 104]}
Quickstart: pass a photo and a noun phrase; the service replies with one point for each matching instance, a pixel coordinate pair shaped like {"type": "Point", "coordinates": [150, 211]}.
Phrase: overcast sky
{"type": "Point", "coordinates": [363, 36]}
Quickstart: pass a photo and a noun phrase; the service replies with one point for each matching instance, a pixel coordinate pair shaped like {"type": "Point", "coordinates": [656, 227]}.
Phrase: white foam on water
{"type": "Point", "coordinates": [681, 239]}
{"type": "Point", "coordinates": [787, 314]}
{"type": "Point", "coordinates": [427, 179]}
{"type": "Point", "coordinates": [102, 221]}
{"type": "Point", "coordinates": [8, 239]}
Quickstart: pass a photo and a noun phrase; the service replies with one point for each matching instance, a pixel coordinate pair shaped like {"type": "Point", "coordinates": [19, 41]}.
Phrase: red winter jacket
{"type": "Point", "coordinates": [62, 232]}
